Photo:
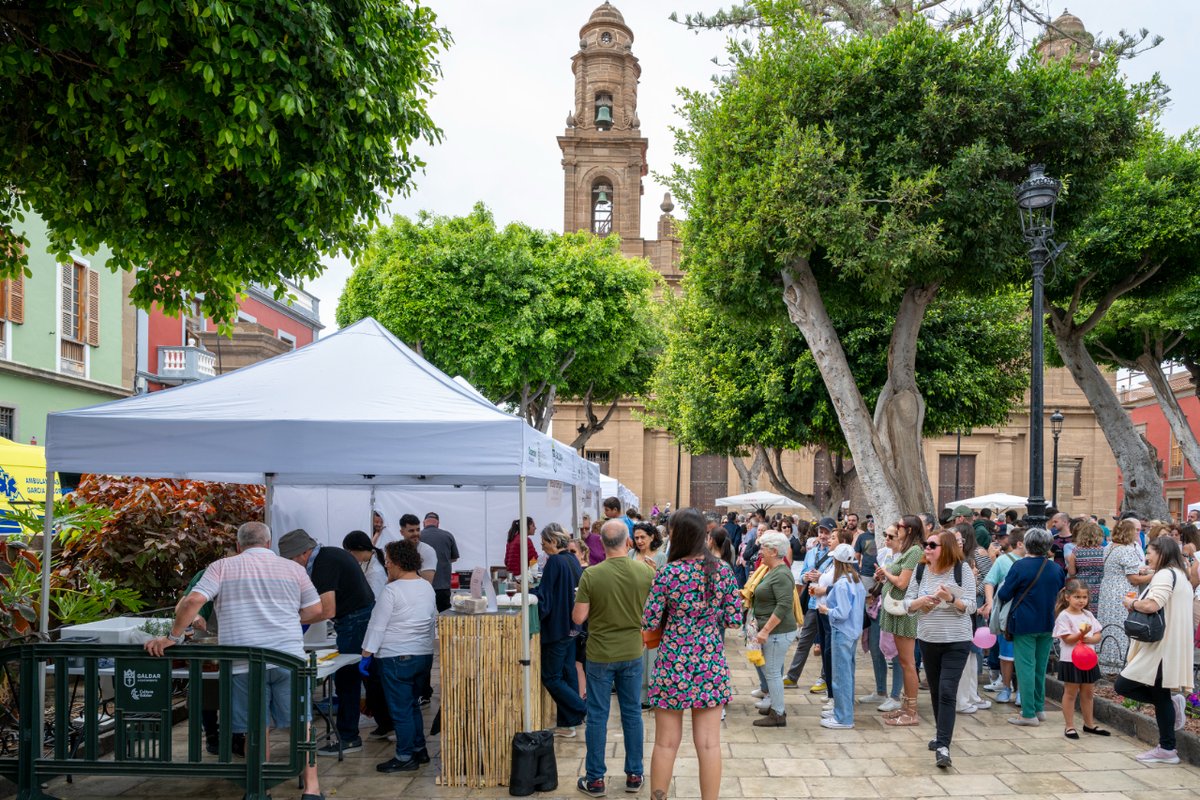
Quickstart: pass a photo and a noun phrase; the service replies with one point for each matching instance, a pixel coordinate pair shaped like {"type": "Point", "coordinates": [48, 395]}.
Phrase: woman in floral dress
{"type": "Point", "coordinates": [1122, 574]}
{"type": "Point", "coordinates": [697, 597]}
{"type": "Point", "coordinates": [1086, 560]}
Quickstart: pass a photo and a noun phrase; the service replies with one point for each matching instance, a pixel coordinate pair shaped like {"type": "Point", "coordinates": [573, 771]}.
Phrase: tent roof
{"type": "Point", "coordinates": [995, 500]}
{"type": "Point", "coordinates": [355, 407]}
{"type": "Point", "coordinates": [757, 500]}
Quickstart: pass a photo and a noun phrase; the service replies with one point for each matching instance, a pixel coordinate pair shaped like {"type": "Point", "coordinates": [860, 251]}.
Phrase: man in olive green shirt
{"type": "Point", "coordinates": [610, 598]}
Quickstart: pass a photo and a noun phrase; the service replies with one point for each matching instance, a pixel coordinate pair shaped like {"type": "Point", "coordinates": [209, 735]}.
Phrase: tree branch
{"type": "Point", "coordinates": [1144, 273]}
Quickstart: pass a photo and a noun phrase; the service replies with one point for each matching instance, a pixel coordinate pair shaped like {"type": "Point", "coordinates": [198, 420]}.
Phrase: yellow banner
{"type": "Point", "coordinates": [22, 481]}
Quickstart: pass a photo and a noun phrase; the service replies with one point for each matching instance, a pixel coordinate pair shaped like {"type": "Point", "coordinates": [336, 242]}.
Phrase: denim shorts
{"type": "Point", "coordinates": [1006, 648]}
{"type": "Point", "coordinates": [277, 710]}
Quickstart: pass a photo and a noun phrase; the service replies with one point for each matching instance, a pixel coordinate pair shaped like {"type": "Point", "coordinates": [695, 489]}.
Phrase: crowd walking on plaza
{"type": "Point", "coordinates": [641, 610]}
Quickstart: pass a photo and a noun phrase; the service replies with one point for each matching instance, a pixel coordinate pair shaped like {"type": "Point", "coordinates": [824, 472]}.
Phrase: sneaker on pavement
{"type": "Point", "coordinates": [818, 687]}
{"type": "Point", "coordinates": [932, 745]}
{"type": "Point", "coordinates": [380, 733]}
{"type": "Point", "coordinates": [994, 686]}
{"type": "Point", "coordinates": [942, 757]}
{"type": "Point", "coordinates": [348, 746]}
{"type": "Point", "coordinates": [983, 705]}
{"type": "Point", "coordinates": [1180, 712]}
{"type": "Point", "coordinates": [1041, 715]}
{"type": "Point", "coordinates": [592, 788]}
{"type": "Point", "coordinates": [633, 783]}
{"type": "Point", "coordinates": [764, 703]}
{"type": "Point", "coordinates": [833, 724]}
{"type": "Point", "coordinates": [828, 706]}
{"type": "Point", "coordinates": [872, 698]}
{"type": "Point", "coordinates": [1004, 696]}
{"type": "Point", "coordinates": [1159, 756]}
{"type": "Point", "coordinates": [758, 694]}
{"type": "Point", "coordinates": [396, 765]}
{"type": "Point", "coordinates": [565, 732]}
{"type": "Point", "coordinates": [788, 682]}
{"type": "Point", "coordinates": [891, 704]}
{"type": "Point", "coordinates": [1031, 722]}
{"type": "Point", "coordinates": [967, 709]}
{"type": "Point", "coordinates": [1017, 699]}
{"type": "Point", "coordinates": [827, 714]}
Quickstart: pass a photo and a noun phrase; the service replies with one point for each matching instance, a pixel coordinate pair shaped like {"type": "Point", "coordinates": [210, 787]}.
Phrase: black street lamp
{"type": "Point", "coordinates": [1056, 426]}
{"type": "Point", "coordinates": [957, 459]}
{"type": "Point", "coordinates": [1035, 200]}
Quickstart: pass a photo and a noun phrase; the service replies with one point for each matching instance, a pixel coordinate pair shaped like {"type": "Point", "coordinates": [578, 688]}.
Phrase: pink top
{"type": "Point", "coordinates": [1068, 624]}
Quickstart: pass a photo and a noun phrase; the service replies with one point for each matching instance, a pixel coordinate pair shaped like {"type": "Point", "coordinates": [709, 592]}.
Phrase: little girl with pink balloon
{"type": "Point", "coordinates": [1078, 668]}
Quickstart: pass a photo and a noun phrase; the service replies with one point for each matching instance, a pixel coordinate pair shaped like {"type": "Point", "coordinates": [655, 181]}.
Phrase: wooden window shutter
{"type": "Point", "coordinates": [68, 312]}
{"type": "Point", "coordinates": [93, 307]}
{"type": "Point", "coordinates": [16, 299]}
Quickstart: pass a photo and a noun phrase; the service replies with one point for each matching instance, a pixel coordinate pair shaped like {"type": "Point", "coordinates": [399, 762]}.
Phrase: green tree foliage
{"type": "Point", "coordinates": [525, 316]}
{"type": "Point", "coordinates": [211, 143]}
{"type": "Point", "coordinates": [833, 170]}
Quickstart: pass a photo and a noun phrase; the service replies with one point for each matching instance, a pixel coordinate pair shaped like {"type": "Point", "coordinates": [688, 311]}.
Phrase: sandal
{"type": "Point", "coordinates": [1071, 733]}
{"type": "Point", "coordinates": [1096, 731]}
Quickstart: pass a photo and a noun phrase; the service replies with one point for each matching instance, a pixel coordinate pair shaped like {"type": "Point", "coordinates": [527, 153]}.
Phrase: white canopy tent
{"type": "Point", "coordinates": [611, 487]}
{"type": "Point", "coordinates": [996, 500]}
{"type": "Point", "coordinates": [758, 500]}
{"type": "Point", "coordinates": [357, 408]}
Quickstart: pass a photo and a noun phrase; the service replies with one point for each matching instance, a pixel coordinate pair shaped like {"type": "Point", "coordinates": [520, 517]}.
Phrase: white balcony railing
{"type": "Point", "coordinates": [181, 364]}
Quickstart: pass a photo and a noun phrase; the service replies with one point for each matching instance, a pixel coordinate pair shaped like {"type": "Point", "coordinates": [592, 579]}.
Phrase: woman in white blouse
{"type": "Point", "coordinates": [401, 634]}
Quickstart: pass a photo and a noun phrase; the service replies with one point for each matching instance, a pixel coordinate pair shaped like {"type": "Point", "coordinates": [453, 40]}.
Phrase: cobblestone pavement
{"type": "Point", "coordinates": [991, 760]}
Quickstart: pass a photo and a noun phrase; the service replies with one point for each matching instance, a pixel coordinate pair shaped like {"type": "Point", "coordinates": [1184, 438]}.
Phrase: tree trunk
{"type": "Point", "coordinates": [1171, 409]}
{"type": "Point", "coordinates": [748, 473]}
{"type": "Point", "coordinates": [782, 485]}
{"type": "Point", "coordinates": [807, 312]}
{"type": "Point", "coordinates": [1139, 472]}
{"type": "Point", "coordinates": [840, 479]}
{"type": "Point", "coordinates": [900, 410]}
{"type": "Point", "coordinates": [592, 424]}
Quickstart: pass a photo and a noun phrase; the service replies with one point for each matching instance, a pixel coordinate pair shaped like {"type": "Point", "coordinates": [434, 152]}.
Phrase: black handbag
{"type": "Point", "coordinates": [1148, 627]}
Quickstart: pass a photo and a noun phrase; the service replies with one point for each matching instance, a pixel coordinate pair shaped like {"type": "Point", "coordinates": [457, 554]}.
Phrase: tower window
{"type": "Point", "coordinates": [602, 209]}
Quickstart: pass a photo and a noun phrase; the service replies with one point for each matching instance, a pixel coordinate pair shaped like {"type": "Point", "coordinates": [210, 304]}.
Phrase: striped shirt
{"type": "Point", "coordinates": [258, 597]}
{"type": "Point", "coordinates": [944, 623]}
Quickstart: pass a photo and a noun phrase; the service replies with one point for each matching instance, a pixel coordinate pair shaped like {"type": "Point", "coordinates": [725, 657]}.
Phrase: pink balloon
{"type": "Point", "coordinates": [1084, 657]}
{"type": "Point", "coordinates": [983, 638]}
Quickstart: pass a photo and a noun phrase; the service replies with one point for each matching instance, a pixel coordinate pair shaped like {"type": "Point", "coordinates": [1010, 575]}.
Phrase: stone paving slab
{"type": "Point", "coordinates": [992, 761]}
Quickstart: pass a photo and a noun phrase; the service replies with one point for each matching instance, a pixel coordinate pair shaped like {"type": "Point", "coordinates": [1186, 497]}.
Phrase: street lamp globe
{"type": "Point", "coordinates": [1056, 422]}
{"type": "Point", "coordinates": [1036, 198]}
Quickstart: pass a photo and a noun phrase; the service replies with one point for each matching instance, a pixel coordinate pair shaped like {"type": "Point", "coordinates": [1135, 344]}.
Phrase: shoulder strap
{"type": "Point", "coordinates": [958, 572]}
{"type": "Point", "coordinates": [919, 574]}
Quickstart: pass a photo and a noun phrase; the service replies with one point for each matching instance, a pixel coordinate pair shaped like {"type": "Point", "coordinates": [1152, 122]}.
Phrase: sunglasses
{"type": "Point", "coordinates": [890, 536]}
{"type": "Point", "coordinates": [932, 545]}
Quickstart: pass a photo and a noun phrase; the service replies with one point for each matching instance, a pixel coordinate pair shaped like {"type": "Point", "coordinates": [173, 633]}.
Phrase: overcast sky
{"type": "Point", "coordinates": [507, 87]}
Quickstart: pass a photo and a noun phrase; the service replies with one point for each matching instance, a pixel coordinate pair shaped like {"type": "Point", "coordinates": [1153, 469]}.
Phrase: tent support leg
{"type": "Point", "coordinates": [44, 609]}
{"type": "Point", "coordinates": [575, 512]}
{"type": "Point", "coordinates": [269, 501]}
{"type": "Point", "coordinates": [526, 667]}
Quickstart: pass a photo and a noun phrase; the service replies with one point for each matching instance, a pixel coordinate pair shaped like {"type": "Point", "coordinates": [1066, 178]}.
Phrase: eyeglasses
{"type": "Point", "coordinates": [889, 536]}
{"type": "Point", "coordinates": [932, 545]}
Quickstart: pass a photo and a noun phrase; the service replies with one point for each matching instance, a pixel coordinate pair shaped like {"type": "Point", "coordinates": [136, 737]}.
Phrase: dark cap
{"type": "Point", "coordinates": [828, 523]}
{"type": "Point", "coordinates": [433, 515]}
{"type": "Point", "coordinates": [293, 543]}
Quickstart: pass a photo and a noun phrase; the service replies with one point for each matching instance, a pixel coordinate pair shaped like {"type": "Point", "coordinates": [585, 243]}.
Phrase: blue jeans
{"type": "Point", "coordinates": [823, 636]}
{"type": "Point", "coordinates": [880, 664]}
{"type": "Point", "coordinates": [627, 675]}
{"type": "Point", "coordinates": [774, 655]}
{"type": "Point", "coordinates": [561, 681]}
{"type": "Point", "coordinates": [842, 679]}
{"type": "Point", "coordinates": [348, 681]}
{"type": "Point", "coordinates": [403, 677]}
{"type": "Point", "coordinates": [277, 700]}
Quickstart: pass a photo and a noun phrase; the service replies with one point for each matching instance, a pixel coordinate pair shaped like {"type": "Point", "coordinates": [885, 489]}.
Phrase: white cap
{"type": "Point", "coordinates": [844, 553]}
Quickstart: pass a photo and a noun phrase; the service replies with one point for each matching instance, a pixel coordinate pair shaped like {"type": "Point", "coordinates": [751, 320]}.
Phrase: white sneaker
{"type": "Point", "coordinates": [968, 709]}
{"type": "Point", "coordinates": [994, 686]}
{"type": "Point", "coordinates": [758, 693]}
{"type": "Point", "coordinates": [828, 706]}
{"type": "Point", "coordinates": [826, 715]}
{"type": "Point", "coordinates": [891, 704]}
{"type": "Point", "coordinates": [983, 705]}
{"type": "Point", "coordinates": [764, 703]}
{"type": "Point", "coordinates": [1180, 711]}
{"type": "Point", "coordinates": [833, 724]}
{"type": "Point", "coordinates": [872, 698]}
{"type": "Point", "coordinates": [565, 732]}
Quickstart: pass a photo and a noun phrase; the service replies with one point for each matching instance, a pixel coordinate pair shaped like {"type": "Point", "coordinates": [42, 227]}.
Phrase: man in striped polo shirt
{"type": "Point", "coordinates": [261, 601]}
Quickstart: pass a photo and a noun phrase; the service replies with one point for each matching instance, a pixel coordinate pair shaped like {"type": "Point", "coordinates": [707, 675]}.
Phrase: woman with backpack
{"type": "Point", "coordinates": [942, 594]}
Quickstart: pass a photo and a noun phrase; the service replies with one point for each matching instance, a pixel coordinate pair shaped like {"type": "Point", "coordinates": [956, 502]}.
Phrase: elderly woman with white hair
{"type": "Point", "coordinates": [776, 619]}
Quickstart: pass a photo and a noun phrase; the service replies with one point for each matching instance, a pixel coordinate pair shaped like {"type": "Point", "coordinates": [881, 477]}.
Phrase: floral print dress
{"type": "Point", "coordinates": [691, 670]}
{"type": "Point", "coordinates": [1122, 560]}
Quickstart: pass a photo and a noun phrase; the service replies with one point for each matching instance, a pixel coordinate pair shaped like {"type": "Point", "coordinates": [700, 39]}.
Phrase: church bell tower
{"type": "Point", "coordinates": [604, 152]}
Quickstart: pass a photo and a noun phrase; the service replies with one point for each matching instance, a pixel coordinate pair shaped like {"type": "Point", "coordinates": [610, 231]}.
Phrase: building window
{"type": "Point", "coordinates": [947, 485]}
{"type": "Point", "coordinates": [598, 457]}
{"type": "Point", "coordinates": [287, 337]}
{"type": "Point", "coordinates": [1175, 462]}
{"type": "Point", "coordinates": [8, 422]}
{"type": "Point", "coordinates": [1175, 508]}
{"type": "Point", "coordinates": [80, 316]}
{"type": "Point", "coordinates": [1077, 477]}
{"type": "Point", "coordinates": [602, 209]}
{"type": "Point", "coordinates": [244, 317]}
{"type": "Point", "coordinates": [12, 299]}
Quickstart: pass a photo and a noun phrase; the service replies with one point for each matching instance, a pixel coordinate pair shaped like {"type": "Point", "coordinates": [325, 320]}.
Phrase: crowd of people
{"type": "Point", "coordinates": [962, 606]}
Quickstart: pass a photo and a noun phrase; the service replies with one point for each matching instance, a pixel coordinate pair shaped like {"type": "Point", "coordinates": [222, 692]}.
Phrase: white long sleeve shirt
{"type": "Point", "coordinates": [404, 620]}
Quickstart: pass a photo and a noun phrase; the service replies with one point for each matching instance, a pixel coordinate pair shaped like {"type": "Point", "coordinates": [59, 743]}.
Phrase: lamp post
{"type": "Point", "coordinates": [1036, 198]}
{"type": "Point", "coordinates": [1056, 426]}
{"type": "Point", "coordinates": [957, 459]}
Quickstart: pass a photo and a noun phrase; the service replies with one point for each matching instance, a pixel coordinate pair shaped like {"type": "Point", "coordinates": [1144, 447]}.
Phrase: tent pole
{"type": "Point", "coordinates": [44, 610]}
{"type": "Point", "coordinates": [575, 511]}
{"type": "Point", "coordinates": [270, 499]}
{"type": "Point", "coordinates": [527, 701]}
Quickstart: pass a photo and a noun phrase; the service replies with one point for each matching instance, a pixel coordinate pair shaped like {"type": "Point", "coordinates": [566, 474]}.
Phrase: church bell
{"type": "Point", "coordinates": [604, 119]}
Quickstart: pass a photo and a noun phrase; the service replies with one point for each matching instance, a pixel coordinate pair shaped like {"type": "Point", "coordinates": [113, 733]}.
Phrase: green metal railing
{"type": "Point", "coordinates": [143, 707]}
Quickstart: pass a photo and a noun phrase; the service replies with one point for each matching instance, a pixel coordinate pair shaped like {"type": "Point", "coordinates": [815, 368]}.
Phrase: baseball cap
{"type": "Point", "coordinates": [828, 523]}
{"type": "Point", "coordinates": [962, 511]}
{"type": "Point", "coordinates": [843, 553]}
{"type": "Point", "coordinates": [432, 515]}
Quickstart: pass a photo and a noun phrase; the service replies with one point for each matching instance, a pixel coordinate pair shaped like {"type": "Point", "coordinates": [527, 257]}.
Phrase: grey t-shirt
{"type": "Point", "coordinates": [446, 548]}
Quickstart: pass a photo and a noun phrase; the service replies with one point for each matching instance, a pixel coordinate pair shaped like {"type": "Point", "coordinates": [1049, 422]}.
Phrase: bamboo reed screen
{"type": "Point", "coordinates": [480, 662]}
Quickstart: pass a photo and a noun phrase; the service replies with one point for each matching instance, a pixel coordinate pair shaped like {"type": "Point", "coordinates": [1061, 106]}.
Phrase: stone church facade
{"type": "Point", "coordinates": [604, 162]}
